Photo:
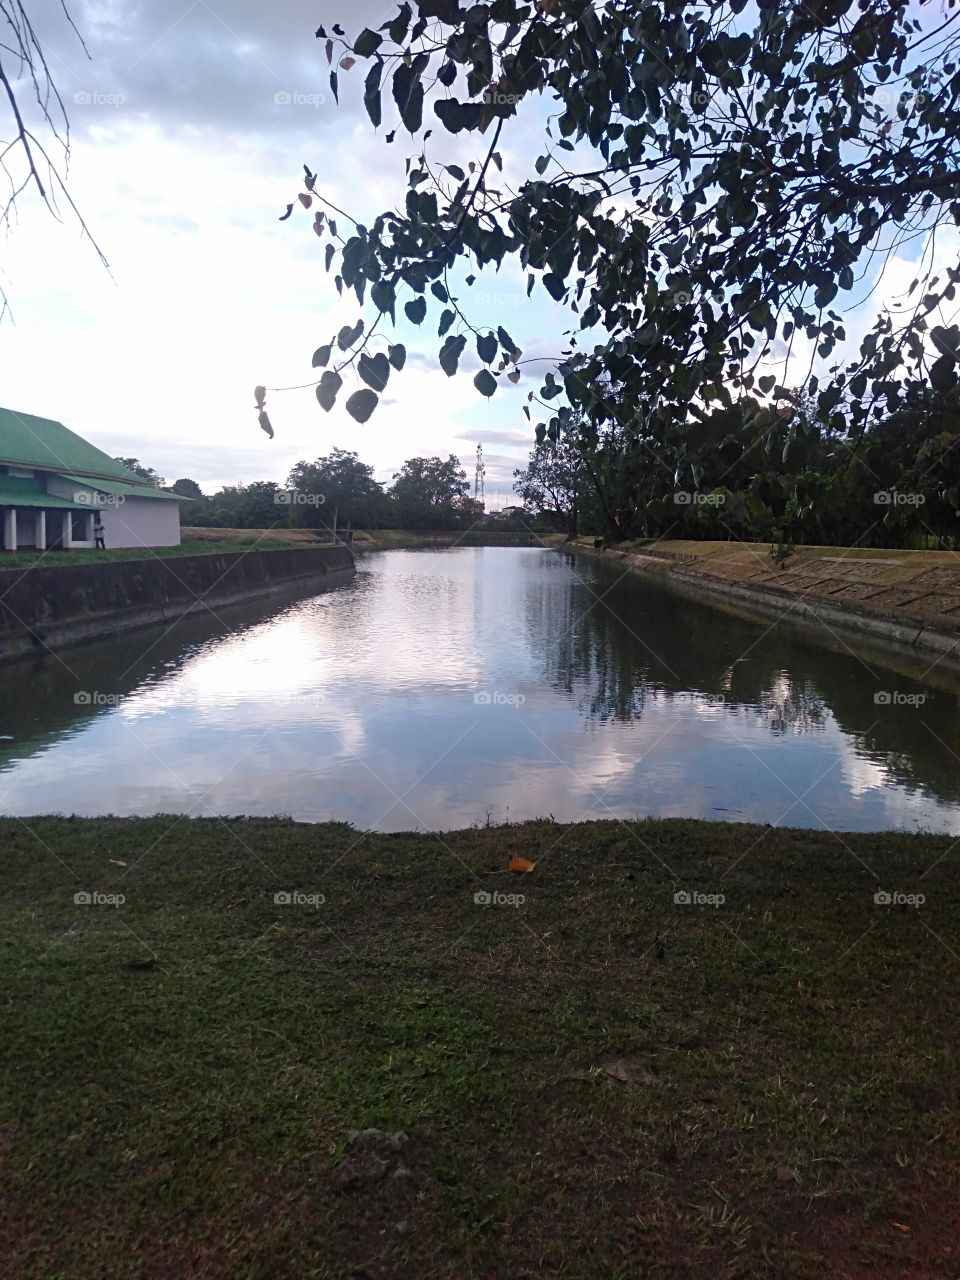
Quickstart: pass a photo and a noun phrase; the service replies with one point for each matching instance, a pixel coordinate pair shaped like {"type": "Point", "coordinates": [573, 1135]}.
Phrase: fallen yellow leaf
{"type": "Point", "coordinates": [520, 864]}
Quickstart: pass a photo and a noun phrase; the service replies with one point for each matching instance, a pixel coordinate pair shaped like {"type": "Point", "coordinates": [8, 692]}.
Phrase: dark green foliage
{"type": "Point", "coordinates": [734, 172]}
{"type": "Point", "coordinates": [749, 471]}
{"type": "Point", "coordinates": [432, 494]}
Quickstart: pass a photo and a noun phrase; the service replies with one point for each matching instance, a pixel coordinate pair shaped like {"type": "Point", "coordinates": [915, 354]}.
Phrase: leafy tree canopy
{"type": "Point", "coordinates": [433, 494]}
{"type": "Point", "coordinates": [145, 473]}
{"type": "Point", "coordinates": [715, 180]}
{"type": "Point", "coordinates": [341, 483]}
{"type": "Point", "coordinates": [188, 488]}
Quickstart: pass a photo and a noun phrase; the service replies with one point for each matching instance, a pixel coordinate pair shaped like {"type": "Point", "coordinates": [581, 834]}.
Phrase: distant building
{"type": "Point", "coordinates": [53, 483]}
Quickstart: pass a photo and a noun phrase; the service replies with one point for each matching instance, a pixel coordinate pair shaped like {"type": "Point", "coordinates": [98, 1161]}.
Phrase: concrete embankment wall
{"type": "Point", "coordinates": [50, 606]}
{"type": "Point", "coordinates": [936, 637]}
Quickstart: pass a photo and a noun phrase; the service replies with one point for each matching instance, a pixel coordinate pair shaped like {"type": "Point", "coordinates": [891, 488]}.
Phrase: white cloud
{"type": "Point", "coordinates": [182, 178]}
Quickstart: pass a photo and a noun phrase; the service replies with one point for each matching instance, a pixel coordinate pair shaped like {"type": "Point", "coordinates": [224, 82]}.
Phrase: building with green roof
{"type": "Point", "coordinates": [55, 487]}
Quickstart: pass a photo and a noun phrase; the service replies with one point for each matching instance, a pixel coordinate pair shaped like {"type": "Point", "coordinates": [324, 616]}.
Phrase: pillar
{"type": "Point", "coordinates": [67, 530]}
{"type": "Point", "coordinates": [88, 534]}
{"type": "Point", "coordinates": [40, 529]}
{"type": "Point", "coordinates": [10, 529]}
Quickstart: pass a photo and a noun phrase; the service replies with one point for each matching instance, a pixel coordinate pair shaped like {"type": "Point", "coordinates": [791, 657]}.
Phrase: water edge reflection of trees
{"type": "Point", "coordinates": [625, 643]}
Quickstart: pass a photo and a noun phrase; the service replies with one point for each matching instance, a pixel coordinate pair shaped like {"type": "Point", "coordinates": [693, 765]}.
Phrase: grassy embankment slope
{"type": "Point", "coordinates": [193, 544]}
{"type": "Point", "coordinates": [909, 589]}
{"type": "Point", "coordinates": [596, 1083]}
{"type": "Point", "coordinates": [747, 561]}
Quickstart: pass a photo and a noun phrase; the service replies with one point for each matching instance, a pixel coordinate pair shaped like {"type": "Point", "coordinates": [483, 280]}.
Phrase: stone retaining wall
{"type": "Point", "coordinates": [828, 594]}
{"type": "Point", "coordinates": [50, 606]}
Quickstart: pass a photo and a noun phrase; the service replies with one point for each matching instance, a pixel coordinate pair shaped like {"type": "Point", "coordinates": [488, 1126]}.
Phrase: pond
{"type": "Point", "coordinates": [440, 689]}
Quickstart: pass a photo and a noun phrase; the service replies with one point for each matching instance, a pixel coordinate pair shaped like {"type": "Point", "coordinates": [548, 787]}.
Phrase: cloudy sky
{"type": "Point", "coordinates": [190, 124]}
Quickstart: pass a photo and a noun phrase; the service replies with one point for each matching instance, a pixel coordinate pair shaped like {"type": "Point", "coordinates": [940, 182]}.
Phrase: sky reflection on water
{"type": "Point", "coordinates": [442, 688]}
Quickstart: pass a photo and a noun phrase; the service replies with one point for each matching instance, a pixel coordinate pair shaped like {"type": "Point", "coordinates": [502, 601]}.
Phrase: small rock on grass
{"type": "Point", "coordinates": [360, 1169]}
{"type": "Point", "coordinates": [375, 1139]}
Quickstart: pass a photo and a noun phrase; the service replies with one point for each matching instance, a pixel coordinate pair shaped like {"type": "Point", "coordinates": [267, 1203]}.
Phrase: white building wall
{"type": "Point", "coordinates": [141, 522]}
{"type": "Point", "coordinates": [127, 522]}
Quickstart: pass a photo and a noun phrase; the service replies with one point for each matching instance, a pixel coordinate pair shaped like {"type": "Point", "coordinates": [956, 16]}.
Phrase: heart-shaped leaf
{"type": "Point", "coordinates": [554, 285]}
{"type": "Point", "coordinates": [397, 355]}
{"type": "Point", "coordinates": [367, 43]}
{"type": "Point", "coordinates": [415, 310]}
{"type": "Point", "coordinates": [947, 341]}
{"type": "Point", "coordinates": [487, 348]}
{"type": "Point", "coordinates": [450, 353]}
{"type": "Point", "coordinates": [383, 297]}
{"type": "Point", "coordinates": [348, 336]}
{"type": "Point", "coordinates": [321, 357]}
{"type": "Point", "coordinates": [330, 384]}
{"type": "Point", "coordinates": [265, 424]}
{"type": "Point", "coordinates": [374, 370]}
{"type": "Point", "coordinates": [485, 382]}
{"type": "Point", "coordinates": [361, 404]}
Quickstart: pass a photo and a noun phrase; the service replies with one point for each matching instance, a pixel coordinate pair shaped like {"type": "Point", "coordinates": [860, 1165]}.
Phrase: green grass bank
{"type": "Point", "coordinates": [382, 1076]}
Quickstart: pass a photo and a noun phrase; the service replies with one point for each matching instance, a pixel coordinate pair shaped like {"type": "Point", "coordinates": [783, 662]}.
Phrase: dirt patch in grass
{"type": "Point", "coordinates": [397, 1069]}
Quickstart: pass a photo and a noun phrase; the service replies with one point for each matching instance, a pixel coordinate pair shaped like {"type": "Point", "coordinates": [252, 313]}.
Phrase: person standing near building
{"type": "Point", "coordinates": [98, 533]}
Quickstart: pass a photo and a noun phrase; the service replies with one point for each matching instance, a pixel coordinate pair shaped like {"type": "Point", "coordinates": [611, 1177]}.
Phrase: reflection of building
{"type": "Point", "coordinates": [53, 483]}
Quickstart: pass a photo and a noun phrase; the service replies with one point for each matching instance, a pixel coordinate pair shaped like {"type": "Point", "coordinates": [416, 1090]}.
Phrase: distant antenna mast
{"type": "Point", "coordinates": [478, 476]}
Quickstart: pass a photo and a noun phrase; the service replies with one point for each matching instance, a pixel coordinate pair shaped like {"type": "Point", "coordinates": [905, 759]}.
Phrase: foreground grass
{"type": "Point", "coordinates": [596, 1083]}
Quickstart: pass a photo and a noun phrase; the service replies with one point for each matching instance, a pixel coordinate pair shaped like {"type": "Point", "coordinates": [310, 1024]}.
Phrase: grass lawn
{"type": "Point", "coordinates": [735, 559]}
{"type": "Point", "coordinates": [247, 540]}
{"type": "Point", "coordinates": [399, 1082]}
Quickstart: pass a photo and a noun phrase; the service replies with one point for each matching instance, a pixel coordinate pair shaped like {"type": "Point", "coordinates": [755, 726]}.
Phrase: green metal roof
{"type": "Point", "coordinates": [120, 487]}
{"type": "Point", "coordinates": [14, 494]}
{"type": "Point", "coordinates": [28, 441]}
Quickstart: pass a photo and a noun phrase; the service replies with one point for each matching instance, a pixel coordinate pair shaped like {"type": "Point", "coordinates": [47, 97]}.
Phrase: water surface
{"type": "Point", "coordinates": [443, 688]}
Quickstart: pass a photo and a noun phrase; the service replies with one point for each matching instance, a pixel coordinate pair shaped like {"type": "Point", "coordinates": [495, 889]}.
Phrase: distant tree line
{"type": "Point", "coordinates": [756, 473]}
{"type": "Point", "coordinates": [426, 494]}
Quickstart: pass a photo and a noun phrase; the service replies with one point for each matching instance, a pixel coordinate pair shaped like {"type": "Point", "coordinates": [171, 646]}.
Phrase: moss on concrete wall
{"type": "Point", "coordinates": [49, 606]}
